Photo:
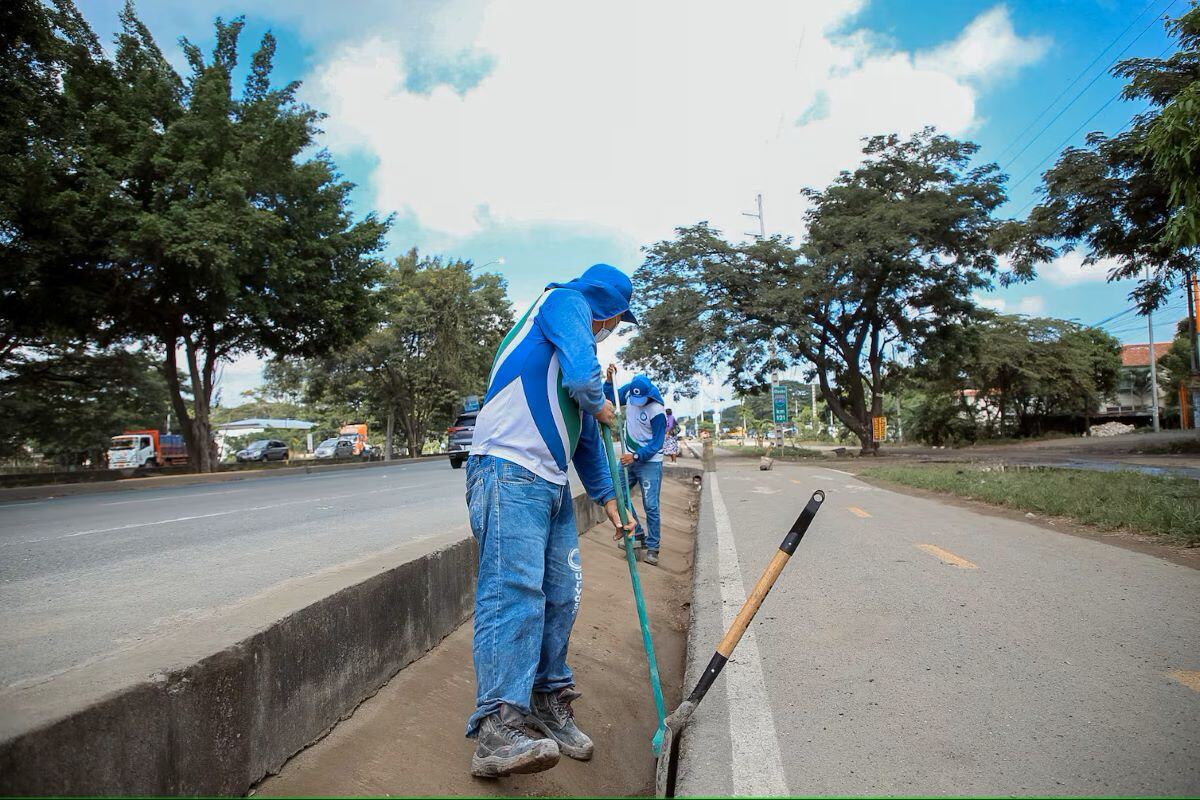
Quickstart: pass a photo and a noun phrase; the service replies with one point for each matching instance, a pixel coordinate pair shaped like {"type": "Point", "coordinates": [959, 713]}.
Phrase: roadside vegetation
{"type": "Point", "coordinates": [1151, 504]}
{"type": "Point", "coordinates": [785, 453]}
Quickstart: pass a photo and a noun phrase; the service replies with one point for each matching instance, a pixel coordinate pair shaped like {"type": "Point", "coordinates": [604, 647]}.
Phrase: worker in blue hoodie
{"type": "Point", "coordinates": [644, 434]}
{"type": "Point", "coordinates": [544, 402]}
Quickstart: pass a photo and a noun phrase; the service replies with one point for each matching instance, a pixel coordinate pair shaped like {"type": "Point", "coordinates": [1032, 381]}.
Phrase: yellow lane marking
{"type": "Point", "coordinates": [858, 511]}
{"type": "Point", "coordinates": [1188, 677]}
{"type": "Point", "coordinates": [946, 556]}
{"type": "Point", "coordinates": [798, 483]}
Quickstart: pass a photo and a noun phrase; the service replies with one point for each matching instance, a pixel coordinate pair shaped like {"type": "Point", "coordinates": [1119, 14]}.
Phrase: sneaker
{"type": "Point", "coordinates": [651, 558]}
{"type": "Point", "coordinates": [502, 747]}
{"type": "Point", "coordinates": [552, 715]}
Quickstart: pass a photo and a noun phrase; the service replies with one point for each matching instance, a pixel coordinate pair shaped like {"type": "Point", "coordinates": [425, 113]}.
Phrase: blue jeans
{"type": "Point", "coordinates": [530, 582]}
{"type": "Point", "coordinates": [648, 476]}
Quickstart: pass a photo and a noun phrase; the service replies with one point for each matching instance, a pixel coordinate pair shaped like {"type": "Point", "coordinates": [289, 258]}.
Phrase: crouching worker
{"type": "Point", "coordinates": [544, 399]}
{"type": "Point", "coordinates": [645, 431]}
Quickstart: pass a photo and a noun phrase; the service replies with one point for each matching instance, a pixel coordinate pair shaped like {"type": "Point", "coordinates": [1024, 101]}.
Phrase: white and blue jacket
{"type": "Point", "coordinates": [645, 418]}
{"type": "Point", "coordinates": [545, 384]}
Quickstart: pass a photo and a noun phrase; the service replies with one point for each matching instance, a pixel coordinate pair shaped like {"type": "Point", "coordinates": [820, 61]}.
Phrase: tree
{"type": "Point", "coordinates": [64, 402]}
{"type": "Point", "coordinates": [440, 330]}
{"type": "Point", "coordinates": [1175, 365]}
{"type": "Point", "coordinates": [218, 236]}
{"type": "Point", "coordinates": [1130, 197]}
{"type": "Point", "coordinates": [1173, 139]}
{"type": "Point", "coordinates": [1003, 367]}
{"type": "Point", "coordinates": [893, 251]}
{"type": "Point", "coordinates": [51, 76]}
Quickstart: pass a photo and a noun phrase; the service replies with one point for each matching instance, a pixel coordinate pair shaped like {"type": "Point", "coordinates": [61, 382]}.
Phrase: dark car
{"type": "Point", "coordinates": [264, 450]}
{"type": "Point", "coordinates": [461, 433]}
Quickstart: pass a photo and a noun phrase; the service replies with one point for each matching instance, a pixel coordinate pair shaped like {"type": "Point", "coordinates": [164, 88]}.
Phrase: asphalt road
{"type": "Point", "coordinates": [914, 647]}
{"type": "Point", "coordinates": [84, 576]}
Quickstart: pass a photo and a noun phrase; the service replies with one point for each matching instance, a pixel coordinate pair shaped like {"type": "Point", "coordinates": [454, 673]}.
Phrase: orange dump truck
{"type": "Point", "coordinates": [355, 434]}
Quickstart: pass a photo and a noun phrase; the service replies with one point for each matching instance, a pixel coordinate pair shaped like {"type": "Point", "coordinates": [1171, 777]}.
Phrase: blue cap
{"type": "Point", "coordinates": [640, 391]}
{"type": "Point", "coordinates": [606, 289]}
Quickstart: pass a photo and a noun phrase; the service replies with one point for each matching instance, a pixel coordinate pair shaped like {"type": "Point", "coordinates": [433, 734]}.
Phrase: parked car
{"type": "Point", "coordinates": [264, 450]}
{"type": "Point", "coordinates": [461, 433]}
{"type": "Point", "coordinates": [334, 448]}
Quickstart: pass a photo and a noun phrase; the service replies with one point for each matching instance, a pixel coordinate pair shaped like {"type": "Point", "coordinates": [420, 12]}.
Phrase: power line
{"type": "Point", "coordinates": [1083, 91]}
{"type": "Point", "coordinates": [1118, 132]}
{"type": "Point", "coordinates": [1082, 72]}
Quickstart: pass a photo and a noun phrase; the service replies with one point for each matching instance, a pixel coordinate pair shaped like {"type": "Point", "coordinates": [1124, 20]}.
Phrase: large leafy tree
{"type": "Point", "coordinates": [440, 328]}
{"type": "Point", "coordinates": [52, 76]}
{"type": "Point", "coordinates": [1130, 197]}
{"type": "Point", "coordinates": [893, 251]}
{"type": "Point", "coordinates": [222, 235]}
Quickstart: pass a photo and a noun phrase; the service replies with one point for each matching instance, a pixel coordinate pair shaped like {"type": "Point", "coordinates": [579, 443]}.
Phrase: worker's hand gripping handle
{"type": "Point", "coordinates": [750, 607]}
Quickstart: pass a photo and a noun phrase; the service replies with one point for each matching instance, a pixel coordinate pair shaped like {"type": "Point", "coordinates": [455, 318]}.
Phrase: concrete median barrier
{"type": "Point", "coordinates": [215, 707]}
{"type": "Point", "coordinates": [13, 493]}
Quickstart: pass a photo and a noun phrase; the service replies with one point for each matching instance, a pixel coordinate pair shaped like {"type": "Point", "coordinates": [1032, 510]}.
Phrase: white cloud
{"type": "Point", "coordinates": [988, 49]}
{"type": "Point", "coordinates": [990, 301]}
{"type": "Point", "coordinates": [1033, 305]}
{"type": "Point", "coordinates": [1068, 269]}
{"type": "Point", "coordinates": [642, 116]}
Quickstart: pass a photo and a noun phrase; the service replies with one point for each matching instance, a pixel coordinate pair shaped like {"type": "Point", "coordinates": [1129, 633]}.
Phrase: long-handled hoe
{"type": "Point", "coordinates": [664, 778]}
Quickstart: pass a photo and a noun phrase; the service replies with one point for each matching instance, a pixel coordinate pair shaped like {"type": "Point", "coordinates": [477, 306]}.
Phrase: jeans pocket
{"type": "Point", "coordinates": [514, 473]}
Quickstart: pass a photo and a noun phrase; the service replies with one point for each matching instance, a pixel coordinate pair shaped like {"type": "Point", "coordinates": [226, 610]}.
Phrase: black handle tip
{"type": "Point", "coordinates": [818, 496]}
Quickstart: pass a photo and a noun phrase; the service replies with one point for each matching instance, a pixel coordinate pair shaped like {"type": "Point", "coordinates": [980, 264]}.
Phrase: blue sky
{"type": "Point", "coordinates": [555, 135]}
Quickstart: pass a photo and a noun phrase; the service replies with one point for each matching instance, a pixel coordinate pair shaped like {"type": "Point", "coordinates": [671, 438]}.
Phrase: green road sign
{"type": "Point", "coordinates": [779, 402]}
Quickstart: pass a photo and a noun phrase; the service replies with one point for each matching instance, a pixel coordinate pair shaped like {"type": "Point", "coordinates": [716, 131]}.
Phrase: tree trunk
{"type": "Point", "coordinates": [202, 457]}
{"type": "Point", "coordinates": [410, 435]}
{"type": "Point", "coordinates": [391, 430]}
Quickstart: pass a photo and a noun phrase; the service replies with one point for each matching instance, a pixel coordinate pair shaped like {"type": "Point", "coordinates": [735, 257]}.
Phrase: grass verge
{"type": "Point", "coordinates": [1153, 504]}
{"type": "Point", "coordinates": [784, 453]}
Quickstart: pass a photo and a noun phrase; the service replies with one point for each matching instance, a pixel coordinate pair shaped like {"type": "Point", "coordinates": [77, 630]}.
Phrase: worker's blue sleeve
{"type": "Point", "coordinates": [591, 462]}
{"type": "Point", "coordinates": [608, 392]}
{"type": "Point", "coordinates": [658, 433]}
{"type": "Point", "coordinates": [566, 321]}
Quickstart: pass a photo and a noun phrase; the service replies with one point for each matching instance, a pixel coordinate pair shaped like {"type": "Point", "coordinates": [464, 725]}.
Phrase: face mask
{"type": "Point", "coordinates": [602, 334]}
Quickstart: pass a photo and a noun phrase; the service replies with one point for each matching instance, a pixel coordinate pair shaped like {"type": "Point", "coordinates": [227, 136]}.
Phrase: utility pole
{"type": "Point", "coordinates": [762, 234]}
{"type": "Point", "coordinates": [762, 228]}
{"type": "Point", "coordinates": [1153, 366]}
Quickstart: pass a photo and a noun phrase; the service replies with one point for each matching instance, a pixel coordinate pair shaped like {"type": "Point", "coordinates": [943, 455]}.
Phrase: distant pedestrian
{"type": "Point", "coordinates": [545, 397]}
{"type": "Point", "coordinates": [671, 442]}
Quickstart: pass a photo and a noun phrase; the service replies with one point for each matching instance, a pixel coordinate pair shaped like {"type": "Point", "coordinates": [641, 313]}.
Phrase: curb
{"type": "Point", "coordinates": [704, 746]}
{"type": "Point", "coordinates": [134, 484]}
{"type": "Point", "coordinates": [219, 724]}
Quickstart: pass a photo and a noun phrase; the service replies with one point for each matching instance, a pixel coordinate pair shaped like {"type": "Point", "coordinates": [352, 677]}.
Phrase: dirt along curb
{"type": "Point", "coordinates": [408, 739]}
{"type": "Point", "coordinates": [213, 707]}
{"type": "Point", "coordinates": [189, 479]}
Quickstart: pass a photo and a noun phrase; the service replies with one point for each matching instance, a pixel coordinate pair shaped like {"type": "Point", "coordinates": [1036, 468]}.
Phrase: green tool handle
{"type": "Point", "coordinates": [622, 490]}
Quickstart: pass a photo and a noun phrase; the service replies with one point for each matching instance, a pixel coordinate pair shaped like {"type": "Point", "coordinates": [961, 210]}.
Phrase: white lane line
{"type": "Point", "coordinates": [133, 525]}
{"type": "Point", "coordinates": [757, 762]}
{"type": "Point", "coordinates": [173, 497]}
{"type": "Point", "coordinates": [28, 503]}
{"type": "Point", "coordinates": [841, 471]}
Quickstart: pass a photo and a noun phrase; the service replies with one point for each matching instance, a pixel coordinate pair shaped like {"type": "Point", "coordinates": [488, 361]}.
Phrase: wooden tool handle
{"type": "Point", "coordinates": [761, 589]}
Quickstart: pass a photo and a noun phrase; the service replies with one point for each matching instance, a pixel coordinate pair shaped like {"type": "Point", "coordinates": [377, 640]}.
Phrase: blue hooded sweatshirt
{"type": "Point", "coordinates": [546, 384]}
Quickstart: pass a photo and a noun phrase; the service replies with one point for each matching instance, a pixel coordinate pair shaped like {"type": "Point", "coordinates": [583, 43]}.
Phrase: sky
{"type": "Point", "coordinates": [541, 136]}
